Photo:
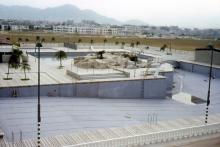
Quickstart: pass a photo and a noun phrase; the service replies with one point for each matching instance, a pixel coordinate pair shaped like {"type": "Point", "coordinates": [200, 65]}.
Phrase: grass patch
{"type": "Point", "coordinates": [178, 43]}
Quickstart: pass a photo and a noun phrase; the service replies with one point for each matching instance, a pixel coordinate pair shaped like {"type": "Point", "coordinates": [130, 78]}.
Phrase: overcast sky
{"type": "Point", "coordinates": [184, 13]}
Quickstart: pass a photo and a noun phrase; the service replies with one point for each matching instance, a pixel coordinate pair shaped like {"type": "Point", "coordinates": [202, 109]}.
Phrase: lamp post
{"type": "Point", "coordinates": [38, 45]}
{"type": "Point", "coordinates": [210, 47]}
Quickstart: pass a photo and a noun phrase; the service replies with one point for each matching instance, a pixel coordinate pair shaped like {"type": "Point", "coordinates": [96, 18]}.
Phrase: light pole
{"type": "Point", "coordinates": [210, 47]}
{"type": "Point", "coordinates": [38, 45]}
{"type": "Point", "coordinates": [170, 47]}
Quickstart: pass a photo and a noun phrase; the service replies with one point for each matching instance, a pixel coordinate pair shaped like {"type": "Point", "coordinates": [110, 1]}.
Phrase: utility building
{"type": "Point", "coordinates": [204, 55]}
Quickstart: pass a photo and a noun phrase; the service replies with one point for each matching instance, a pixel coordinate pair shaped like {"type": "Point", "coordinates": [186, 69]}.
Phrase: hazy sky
{"type": "Point", "coordinates": [185, 13]}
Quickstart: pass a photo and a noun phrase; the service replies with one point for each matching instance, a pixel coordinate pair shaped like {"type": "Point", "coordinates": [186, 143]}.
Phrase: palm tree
{"type": "Point", "coordinates": [137, 43]}
{"type": "Point", "coordinates": [132, 45]}
{"type": "Point", "coordinates": [53, 39]}
{"type": "Point", "coordinates": [79, 40]}
{"type": "Point", "coordinates": [37, 38]}
{"type": "Point", "coordinates": [25, 67]}
{"type": "Point", "coordinates": [14, 61]}
{"type": "Point", "coordinates": [105, 40]}
{"type": "Point", "coordinates": [60, 55]}
{"type": "Point", "coordinates": [100, 54]}
{"type": "Point", "coordinates": [91, 41]}
{"type": "Point", "coordinates": [163, 47]}
{"type": "Point", "coordinates": [16, 45]}
{"type": "Point", "coordinates": [19, 39]}
{"type": "Point", "coordinates": [43, 40]}
{"type": "Point", "coordinates": [16, 57]}
{"type": "Point", "coordinates": [10, 61]}
{"type": "Point", "coordinates": [122, 45]}
{"type": "Point", "coordinates": [134, 58]}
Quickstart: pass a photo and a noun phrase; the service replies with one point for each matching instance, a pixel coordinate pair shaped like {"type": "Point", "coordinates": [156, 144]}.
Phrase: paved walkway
{"type": "Point", "coordinates": [49, 75]}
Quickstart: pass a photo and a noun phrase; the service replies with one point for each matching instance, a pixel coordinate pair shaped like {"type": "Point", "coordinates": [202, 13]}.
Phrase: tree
{"type": "Point", "coordinates": [27, 40]}
{"type": "Point", "coordinates": [132, 45]}
{"type": "Point", "coordinates": [16, 57]}
{"type": "Point", "coordinates": [105, 40]}
{"type": "Point", "coordinates": [37, 38]}
{"type": "Point", "coordinates": [163, 47]}
{"type": "Point", "coordinates": [79, 40]}
{"type": "Point", "coordinates": [25, 67]}
{"type": "Point", "coordinates": [100, 54]}
{"type": "Point", "coordinates": [210, 46]}
{"type": "Point", "coordinates": [19, 39]}
{"type": "Point", "coordinates": [43, 40]}
{"type": "Point", "coordinates": [60, 55]}
{"type": "Point", "coordinates": [116, 43]}
{"type": "Point", "coordinates": [122, 45]}
{"type": "Point", "coordinates": [137, 43]}
{"type": "Point", "coordinates": [133, 58]}
{"type": "Point", "coordinates": [10, 61]}
{"type": "Point", "coordinates": [14, 61]}
{"type": "Point", "coordinates": [16, 45]}
{"type": "Point", "coordinates": [91, 41]}
{"type": "Point", "coordinates": [53, 39]}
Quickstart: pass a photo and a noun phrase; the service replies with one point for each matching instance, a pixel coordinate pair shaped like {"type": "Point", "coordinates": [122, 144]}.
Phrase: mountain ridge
{"type": "Point", "coordinates": [60, 13]}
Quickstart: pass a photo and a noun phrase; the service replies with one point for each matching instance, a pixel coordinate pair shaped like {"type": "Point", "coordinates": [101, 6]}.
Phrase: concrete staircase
{"type": "Point", "coordinates": [92, 76]}
{"type": "Point", "coordinates": [102, 76]}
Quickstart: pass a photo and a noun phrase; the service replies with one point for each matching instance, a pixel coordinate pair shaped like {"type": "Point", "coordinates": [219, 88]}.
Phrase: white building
{"type": "Point", "coordinates": [100, 30]}
{"type": "Point", "coordinates": [19, 28]}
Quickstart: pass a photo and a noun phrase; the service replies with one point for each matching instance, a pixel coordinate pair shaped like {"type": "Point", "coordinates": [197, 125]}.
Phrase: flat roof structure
{"type": "Point", "coordinates": [65, 117]}
{"type": "Point", "coordinates": [62, 115]}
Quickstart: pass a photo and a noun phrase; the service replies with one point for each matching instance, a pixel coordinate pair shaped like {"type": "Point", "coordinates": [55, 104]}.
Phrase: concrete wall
{"type": "Point", "coordinates": [169, 79]}
{"type": "Point", "coordinates": [200, 69]}
{"type": "Point", "coordinates": [154, 88]}
{"type": "Point", "coordinates": [87, 90]}
{"type": "Point", "coordinates": [125, 89]}
{"type": "Point", "coordinates": [32, 45]}
{"type": "Point", "coordinates": [52, 54]}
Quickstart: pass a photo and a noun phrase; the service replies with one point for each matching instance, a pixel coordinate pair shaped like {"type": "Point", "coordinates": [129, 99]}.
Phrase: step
{"type": "Point", "coordinates": [105, 74]}
{"type": "Point", "coordinates": [101, 77]}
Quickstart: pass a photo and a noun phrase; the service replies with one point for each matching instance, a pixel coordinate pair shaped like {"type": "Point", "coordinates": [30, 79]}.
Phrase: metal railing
{"type": "Point", "coordinates": [157, 137]}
